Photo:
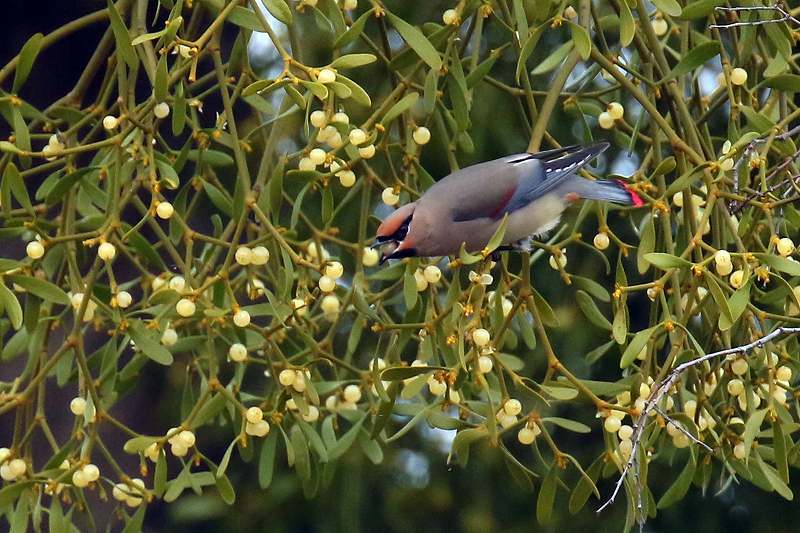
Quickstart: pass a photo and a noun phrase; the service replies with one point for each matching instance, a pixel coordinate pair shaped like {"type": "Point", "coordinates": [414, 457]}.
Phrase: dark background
{"type": "Point", "coordinates": [413, 489]}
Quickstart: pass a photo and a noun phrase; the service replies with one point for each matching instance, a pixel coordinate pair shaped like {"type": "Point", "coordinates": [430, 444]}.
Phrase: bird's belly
{"type": "Point", "coordinates": [540, 216]}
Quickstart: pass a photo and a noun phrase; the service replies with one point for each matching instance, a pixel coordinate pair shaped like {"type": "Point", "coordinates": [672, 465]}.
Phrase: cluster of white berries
{"type": "Point", "coordinates": [11, 469]}
{"type": "Point", "coordinates": [251, 256]}
{"type": "Point", "coordinates": [85, 475]}
{"type": "Point", "coordinates": [614, 112]}
{"type": "Point", "coordinates": [332, 271]}
{"type": "Point", "coordinates": [255, 425]}
{"type": "Point", "coordinates": [180, 442]}
{"type": "Point", "coordinates": [507, 415]}
{"type": "Point", "coordinates": [430, 275]}
{"type": "Point", "coordinates": [294, 378]}
{"type": "Point", "coordinates": [130, 493]}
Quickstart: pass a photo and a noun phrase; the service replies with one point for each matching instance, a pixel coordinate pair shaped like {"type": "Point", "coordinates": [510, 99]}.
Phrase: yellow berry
{"type": "Point", "coordinates": [570, 13]}
{"type": "Point", "coordinates": [738, 76]}
{"type": "Point", "coordinates": [370, 257]}
{"type": "Point", "coordinates": [740, 366]}
{"type": "Point", "coordinates": [512, 407]}
{"type": "Point", "coordinates": [367, 152]}
{"type": "Point", "coordinates": [450, 17]}
{"type": "Point", "coordinates": [389, 197]}
{"type": "Point", "coordinates": [326, 75]}
{"type": "Point", "coordinates": [783, 373]}
{"type": "Point", "coordinates": [169, 337]}
{"type": "Point", "coordinates": [347, 178]}
{"type": "Point", "coordinates": [237, 352]}
{"type": "Point", "coordinates": [357, 137]}
{"type": "Point", "coordinates": [625, 432]}
{"type": "Point", "coordinates": [340, 118]}
{"type": "Point", "coordinates": [185, 307]}
{"type": "Point", "coordinates": [124, 299]}
{"type": "Point", "coordinates": [317, 156]}
{"type": "Point", "coordinates": [481, 337]}
{"type": "Point", "coordinates": [306, 164]}
{"type": "Point", "coordinates": [334, 270]}
{"type": "Point", "coordinates": [318, 119]}
{"type": "Point", "coordinates": [106, 251]}
{"type": "Point", "coordinates": [601, 240]}
{"type": "Point", "coordinates": [164, 210]}
{"type": "Point", "coordinates": [352, 393]}
{"type": "Point", "coordinates": [726, 164]}
{"type": "Point", "coordinates": [739, 451]}
{"type": "Point", "coordinates": [660, 27]}
{"type": "Point", "coordinates": [34, 250]}
{"type": "Point", "coordinates": [161, 110]}
{"type": "Point", "coordinates": [785, 246]}
{"type": "Point", "coordinates": [612, 424]}
{"type": "Point", "coordinates": [327, 284]}
{"type": "Point", "coordinates": [77, 406]}
{"type": "Point", "coordinates": [110, 122]}
{"type": "Point", "coordinates": [330, 304]}
{"type": "Point", "coordinates": [243, 255]}
{"type": "Point", "coordinates": [260, 255]}
{"type": "Point", "coordinates": [420, 281]}
{"type": "Point", "coordinates": [485, 364]}
{"type": "Point", "coordinates": [615, 110]}
{"type": "Point", "coordinates": [735, 387]}
{"type": "Point", "coordinates": [737, 279]}
{"type": "Point", "coordinates": [421, 135]}
{"type": "Point", "coordinates": [254, 415]}
{"type": "Point", "coordinates": [605, 121]}
{"type": "Point", "coordinates": [241, 318]}
{"type": "Point", "coordinates": [432, 274]}
{"type": "Point", "coordinates": [526, 435]}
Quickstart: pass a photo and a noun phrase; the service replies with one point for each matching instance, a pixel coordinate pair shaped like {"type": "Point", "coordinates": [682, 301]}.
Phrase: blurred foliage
{"type": "Point", "coordinates": [197, 320]}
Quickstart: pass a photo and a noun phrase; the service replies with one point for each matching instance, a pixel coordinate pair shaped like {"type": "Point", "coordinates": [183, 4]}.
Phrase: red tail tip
{"type": "Point", "coordinates": [635, 198]}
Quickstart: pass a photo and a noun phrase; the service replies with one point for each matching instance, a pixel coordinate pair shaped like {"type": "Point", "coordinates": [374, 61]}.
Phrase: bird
{"type": "Point", "coordinates": [467, 206]}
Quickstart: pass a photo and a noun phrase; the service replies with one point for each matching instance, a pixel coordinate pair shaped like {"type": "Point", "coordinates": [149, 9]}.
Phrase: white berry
{"type": "Point", "coordinates": [106, 251]}
{"type": "Point", "coordinates": [237, 352]}
{"type": "Point", "coordinates": [241, 318]}
{"type": "Point", "coordinates": [421, 135]}
{"type": "Point", "coordinates": [34, 250]}
{"type": "Point", "coordinates": [185, 307]}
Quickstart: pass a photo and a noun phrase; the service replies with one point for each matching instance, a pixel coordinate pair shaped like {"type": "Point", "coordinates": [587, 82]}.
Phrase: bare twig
{"type": "Point", "coordinates": [785, 16]}
{"type": "Point", "coordinates": [659, 392]}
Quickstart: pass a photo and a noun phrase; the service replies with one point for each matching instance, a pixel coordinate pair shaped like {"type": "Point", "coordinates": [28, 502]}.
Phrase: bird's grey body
{"type": "Point", "coordinates": [469, 205]}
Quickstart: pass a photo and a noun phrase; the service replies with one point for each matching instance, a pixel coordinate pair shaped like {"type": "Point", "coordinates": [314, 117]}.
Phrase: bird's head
{"type": "Point", "coordinates": [395, 235]}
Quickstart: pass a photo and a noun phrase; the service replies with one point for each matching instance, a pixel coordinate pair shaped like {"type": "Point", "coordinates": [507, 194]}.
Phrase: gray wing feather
{"type": "Point", "coordinates": [544, 171]}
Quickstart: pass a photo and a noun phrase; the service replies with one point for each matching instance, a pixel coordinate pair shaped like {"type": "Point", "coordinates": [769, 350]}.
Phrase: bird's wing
{"type": "Point", "coordinates": [494, 188]}
{"type": "Point", "coordinates": [544, 171]}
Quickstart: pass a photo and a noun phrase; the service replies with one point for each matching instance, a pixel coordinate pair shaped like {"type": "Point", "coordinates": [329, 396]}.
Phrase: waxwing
{"type": "Point", "coordinates": [467, 206]}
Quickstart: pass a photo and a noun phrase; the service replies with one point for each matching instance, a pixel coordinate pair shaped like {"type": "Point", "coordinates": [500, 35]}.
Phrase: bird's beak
{"type": "Point", "coordinates": [401, 249]}
{"type": "Point", "coordinates": [380, 241]}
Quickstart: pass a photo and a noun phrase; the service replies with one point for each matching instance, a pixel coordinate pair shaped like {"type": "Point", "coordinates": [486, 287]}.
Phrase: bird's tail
{"type": "Point", "coordinates": [616, 191]}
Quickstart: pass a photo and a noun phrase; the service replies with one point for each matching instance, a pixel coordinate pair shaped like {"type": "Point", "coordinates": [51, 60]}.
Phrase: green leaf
{"type": "Point", "coordinates": [14, 185]}
{"type": "Point", "coordinates": [148, 37]}
{"type": "Point", "coordinates": [719, 296]}
{"type": "Point", "coordinates": [581, 39]}
{"type": "Point", "coordinates": [416, 40]}
{"type": "Point", "coordinates": [638, 342]}
{"type": "Point", "coordinates": [784, 82]}
{"type": "Point", "coordinates": [752, 427]}
{"type": "Point", "coordinates": [546, 312]}
{"type": "Point", "coordinates": [218, 198]}
{"type": "Point", "coordinates": [527, 50]}
{"type": "Point", "coordinates": [64, 184]}
{"type": "Point", "coordinates": [146, 340]}
{"type": "Point", "coordinates": [345, 442]}
{"type": "Point", "coordinates": [10, 303]}
{"type": "Point", "coordinates": [666, 261]}
{"type": "Point", "coordinates": [774, 479]}
{"type": "Point", "coordinates": [590, 309]}
{"type": "Point", "coordinates": [11, 493]}
{"type": "Point", "coordinates": [478, 73]}
{"type": "Point", "coordinates": [135, 522]}
{"type": "Point", "coordinates": [266, 461]}
{"type": "Point", "coordinates": [670, 7]}
{"type": "Point", "coordinates": [357, 93]}
{"type": "Point", "coordinates": [353, 60]}
{"type": "Point", "coordinates": [225, 489]}
{"type": "Point", "coordinates": [700, 9]}
{"type": "Point", "coordinates": [122, 37]}
{"type": "Point", "coordinates": [226, 457]}
{"type": "Point", "coordinates": [139, 444]}
{"type": "Point", "coordinates": [27, 57]}
{"type": "Point", "coordinates": [780, 263]}
{"type": "Point", "coordinates": [354, 31]}
{"type": "Point", "coordinates": [737, 304]}
{"type": "Point", "coordinates": [553, 60]}
{"type": "Point", "coordinates": [399, 107]}
{"type": "Point", "coordinates": [569, 425]}
{"type": "Point", "coordinates": [405, 372]}
{"type": "Point", "coordinates": [160, 476]}
{"type": "Point", "coordinates": [547, 496]}
{"type": "Point", "coordinates": [627, 27]}
{"type": "Point", "coordinates": [585, 487]}
{"type": "Point", "coordinates": [647, 244]}
{"type": "Point", "coordinates": [680, 487]}
{"type": "Point", "coordinates": [160, 84]}
{"type": "Point", "coordinates": [465, 437]}
{"type": "Point", "coordinates": [694, 58]}
{"type": "Point", "coordinates": [43, 289]}
{"type": "Point", "coordinates": [279, 10]}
